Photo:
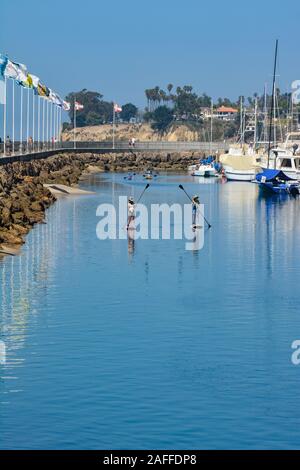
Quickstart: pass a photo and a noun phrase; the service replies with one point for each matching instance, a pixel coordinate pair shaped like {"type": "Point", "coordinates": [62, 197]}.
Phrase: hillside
{"type": "Point", "coordinates": [124, 132]}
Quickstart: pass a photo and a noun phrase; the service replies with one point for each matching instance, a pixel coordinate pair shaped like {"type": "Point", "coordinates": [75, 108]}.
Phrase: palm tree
{"type": "Point", "coordinates": [187, 88]}
{"type": "Point", "coordinates": [148, 96]}
{"type": "Point", "coordinates": [163, 96]}
{"type": "Point", "coordinates": [157, 97]}
{"type": "Point", "coordinates": [170, 88]}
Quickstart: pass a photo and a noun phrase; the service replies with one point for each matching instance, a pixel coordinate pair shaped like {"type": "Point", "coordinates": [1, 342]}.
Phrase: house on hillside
{"type": "Point", "coordinates": [226, 113]}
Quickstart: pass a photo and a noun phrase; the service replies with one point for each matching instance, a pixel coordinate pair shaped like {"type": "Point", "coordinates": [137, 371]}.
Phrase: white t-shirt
{"type": "Point", "coordinates": [130, 209]}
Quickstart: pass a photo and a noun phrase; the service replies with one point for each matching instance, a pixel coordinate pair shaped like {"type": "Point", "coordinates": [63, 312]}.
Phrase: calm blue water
{"type": "Point", "coordinates": [153, 346]}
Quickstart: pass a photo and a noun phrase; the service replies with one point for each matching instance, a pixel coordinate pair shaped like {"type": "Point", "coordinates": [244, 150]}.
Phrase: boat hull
{"type": "Point", "coordinates": [240, 175]}
{"type": "Point", "coordinates": [206, 172]}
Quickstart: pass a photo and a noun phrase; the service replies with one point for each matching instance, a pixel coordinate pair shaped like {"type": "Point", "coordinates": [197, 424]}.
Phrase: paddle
{"type": "Point", "coordinates": [146, 187]}
{"type": "Point", "coordinates": [181, 187]}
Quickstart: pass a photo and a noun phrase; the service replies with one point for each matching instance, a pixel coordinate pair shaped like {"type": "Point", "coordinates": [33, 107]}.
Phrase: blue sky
{"type": "Point", "coordinates": [122, 47]}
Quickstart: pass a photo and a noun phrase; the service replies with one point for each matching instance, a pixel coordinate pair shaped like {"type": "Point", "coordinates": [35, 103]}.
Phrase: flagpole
{"type": "Point", "coordinates": [13, 118]}
{"type": "Point", "coordinates": [47, 130]}
{"type": "Point", "coordinates": [55, 123]}
{"type": "Point", "coordinates": [39, 118]}
{"type": "Point", "coordinates": [55, 126]}
{"type": "Point", "coordinates": [74, 126]}
{"type": "Point", "coordinates": [33, 119]}
{"type": "Point", "coordinates": [43, 121]}
{"type": "Point", "coordinates": [27, 120]}
{"type": "Point", "coordinates": [51, 125]}
{"type": "Point", "coordinates": [60, 119]}
{"type": "Point", "coordinates": [21, 122]}
{"type": "Point", "coordinates": [4, 116]}
{"type": "Point", "coordinates": [114, 118]}
{"type": "Point", "coordinates": [48, 125]}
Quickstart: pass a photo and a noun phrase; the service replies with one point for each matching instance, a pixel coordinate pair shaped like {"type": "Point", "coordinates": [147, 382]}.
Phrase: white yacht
{"type": "Point", "coordinates": [240, 163]}
{"type": "Point", "coordinates": [205, 170]}
{"type": "Point", "coordinates": [285, 158]}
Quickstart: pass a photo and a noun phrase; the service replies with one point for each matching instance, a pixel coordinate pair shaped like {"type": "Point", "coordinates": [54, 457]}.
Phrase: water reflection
{"type": "Point", "coordinates": [83, 320]}
{"type": "Point", "coordinates": [131, 242]}
{"type": "Point", "coordinates": [26, 280]}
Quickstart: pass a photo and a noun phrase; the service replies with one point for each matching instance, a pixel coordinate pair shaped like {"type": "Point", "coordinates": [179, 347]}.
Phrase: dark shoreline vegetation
{"type": "Point", "coordinates": [24, 199]}
{"type": "Point", "coordinates": [180, 105]}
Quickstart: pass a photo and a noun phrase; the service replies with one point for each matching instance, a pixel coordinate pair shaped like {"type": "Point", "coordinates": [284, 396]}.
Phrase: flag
{"type": "Point", "coordinates": [59, 101]}
{"type": "Point", "coordinates": [3, 63]}
{"type": "Point", "coordinates": [66, 106]}
{"type": "Point", "coordinates": [2, 91]}
{"type": "Point", "coordinates": [42, 90]}
{"type": "Point", "coordinates": [35, 81]}
{"type": "Point", "coordinates": [117, 108]}
{"type": "Point", "coordinates": [17, 72]}
{"type": "Point", "coordinates": [26, 81]}
{"type": "Point", "coordinates": [54, 98]}
{"type": "Point", "coordinates": [78, 106]}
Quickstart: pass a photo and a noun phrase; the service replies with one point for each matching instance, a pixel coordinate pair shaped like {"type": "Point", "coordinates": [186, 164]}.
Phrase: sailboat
{"type": "Point", "coordinates": [207, 166]}
{"type": "Point", "coordinates": [283, 165]}
{"type": "Point", "coordinates": [285, 158]}
{"type": "Point", "coordinates": [240, 163]}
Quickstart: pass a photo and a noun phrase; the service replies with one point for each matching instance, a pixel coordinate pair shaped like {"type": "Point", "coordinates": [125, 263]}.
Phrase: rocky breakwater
{"type": "Point", "coordinates": [140, 161]}
{"type": "Point", "coordinates": [23, 197]}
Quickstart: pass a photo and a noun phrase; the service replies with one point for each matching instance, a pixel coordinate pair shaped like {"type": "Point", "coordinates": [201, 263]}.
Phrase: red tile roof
{"type": "Point", "coordinates": [225, 109]}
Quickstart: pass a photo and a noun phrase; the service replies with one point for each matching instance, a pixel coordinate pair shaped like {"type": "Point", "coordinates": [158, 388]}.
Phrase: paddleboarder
{"type": "Point", "coordinates": [130, 211]}
{"type": "Point", "coordinates": [195, 204]}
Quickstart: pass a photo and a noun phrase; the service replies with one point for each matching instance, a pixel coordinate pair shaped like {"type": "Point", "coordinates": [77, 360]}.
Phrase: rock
{"type": "Point", "coordinates": [10, 237]}
{"type": "Point", "coordinates": [37, 207]}
{"type": "Point", "coordinates": [20, 229]}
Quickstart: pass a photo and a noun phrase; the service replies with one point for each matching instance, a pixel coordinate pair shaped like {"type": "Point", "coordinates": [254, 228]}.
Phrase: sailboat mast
{"type": "Point", "coordinates": [241, 120]}
{"type": "Point", "coordinates": [274, 116]}
{"type": "Point", "coordinates": [265, 115]}
{"type": "Point", "coordinates": [211, 125]}
{"type": "Point", "coordinates": [255, 123]}
{"type": "Point", "coordinates": [273, 99]}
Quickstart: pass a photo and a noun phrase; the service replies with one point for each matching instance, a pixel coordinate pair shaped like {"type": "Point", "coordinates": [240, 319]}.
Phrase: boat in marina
{"type": "Point", "coordinates": [276, 181]}
{"type": "Point", "coordinates": [207, 167]}
{"type": "Point", "coordinates": [149, 175]}
{"type": "Point", "coordinates": [192, 168]}
{"type": "Point", "coordinates": [285, 161]}
{"type": "Point", "coordinates": [206, 170]}
{"type": "Point", "coordinates": [285, 158]}
{"type": "Point", "coordinates": [240, 163]}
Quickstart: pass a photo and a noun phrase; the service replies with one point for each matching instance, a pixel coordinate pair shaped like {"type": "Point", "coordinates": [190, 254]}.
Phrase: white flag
{"type": "Point", "coordinates": [2, 92]}
{"type": "Point", "coordinates": [117, 108]}
{"type": "Point", "coordinates": [66, 106]}
{"type": "Point", "coordinates": [78, 106]}
{"type": "Point", "coordinates": [35, 81]}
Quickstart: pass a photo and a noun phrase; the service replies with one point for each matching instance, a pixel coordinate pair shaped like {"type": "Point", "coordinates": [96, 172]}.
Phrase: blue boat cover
{"type": "Point", "coordinates": [272, 175]}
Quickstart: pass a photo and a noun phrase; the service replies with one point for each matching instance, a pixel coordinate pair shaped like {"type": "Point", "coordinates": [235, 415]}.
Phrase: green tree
{"type": "Point", "coordinates": [170, 88]}
{"type": "Point", "coordinates": [95, 110]}
{"type": "Point", "coordinates": [162, 118]}
{"type": "Point", "coordinates": [129, 111]}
